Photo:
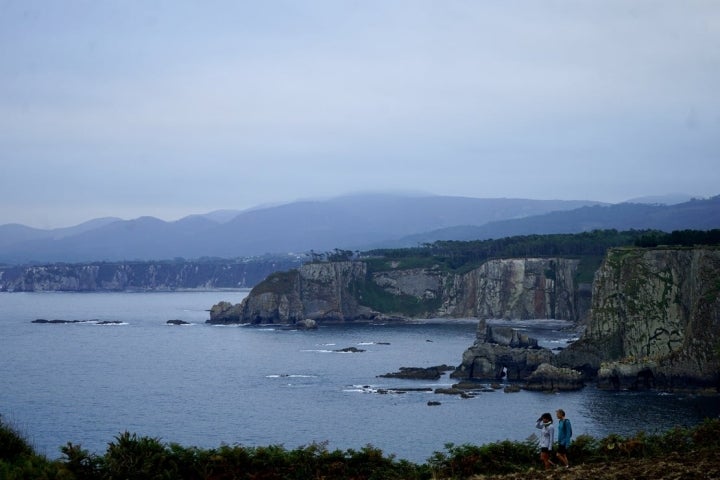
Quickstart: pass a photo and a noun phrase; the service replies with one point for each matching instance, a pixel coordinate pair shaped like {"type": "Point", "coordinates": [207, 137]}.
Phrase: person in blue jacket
{"type": "Point", "coordinates": [564, 434]}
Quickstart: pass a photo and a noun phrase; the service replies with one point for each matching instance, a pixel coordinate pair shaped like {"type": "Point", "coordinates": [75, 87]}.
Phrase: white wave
{"type": "Point", "coordinates": [318, 351]}
{"type": "Point", "coordinates": [360, 389]}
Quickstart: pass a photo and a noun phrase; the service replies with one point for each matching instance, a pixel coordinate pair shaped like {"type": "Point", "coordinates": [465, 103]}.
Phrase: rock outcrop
{"type": "Point", "coordinates": [351, 291]}
{"type": "Point", "coordinates": [550, 378]}
{"type": "Point", "coordinates": [655, 320]}
{"type": "Point", "coordinates": [496, 354]}
{"type": "Point", "coordinates": [419, 373]}
{"type": "Point", "coordinates": [316, 291]}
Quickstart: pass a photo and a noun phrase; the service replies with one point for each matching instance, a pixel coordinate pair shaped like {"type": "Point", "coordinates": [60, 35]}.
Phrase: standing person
{"type": "Point", "coordinates": [547, 438]}
{"type": "Point", "coordinates": [564, 435]}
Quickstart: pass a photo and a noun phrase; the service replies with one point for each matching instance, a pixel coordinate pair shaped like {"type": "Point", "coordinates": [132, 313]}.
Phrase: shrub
{"type": "Point", "coordinates": [494, 458]}
{"type": "Point", "coordinates": [131, 457]}
{"type": "Point", "coordinates": [136, 458]}
{"type": "Point", "coordinates": [80, 463]}
{"type": "Point", "coordinates": [584, 449]}
{"type": "Point", "coordinates": [12, 444]}
{"type": "Point", "coordinates": [707, 435]}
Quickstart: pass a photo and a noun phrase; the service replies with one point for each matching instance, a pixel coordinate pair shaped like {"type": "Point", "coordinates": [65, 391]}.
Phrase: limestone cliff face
{"type": "Point", "coordinates": [655, 319]}
{"type": "Point", "coordinates": [342, 291]}
{"type": "Point", "coordinates": [515, 289]}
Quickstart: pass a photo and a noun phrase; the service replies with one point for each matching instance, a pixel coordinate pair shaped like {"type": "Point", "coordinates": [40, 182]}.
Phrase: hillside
{"type": "Point", "coordinates": [346, 222]}
{"type": "Point", "coordinates": [694, 215]}
{"type": "Point", "coordinates": [358, 222]}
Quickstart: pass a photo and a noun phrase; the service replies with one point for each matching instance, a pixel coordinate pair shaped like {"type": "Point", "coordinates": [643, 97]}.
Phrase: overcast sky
{"type": "Point", "coordinates": [167, 108]}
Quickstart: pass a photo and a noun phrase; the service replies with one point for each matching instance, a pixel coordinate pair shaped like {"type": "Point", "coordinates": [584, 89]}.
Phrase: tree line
{"type": "Point", "coordinates": [457, 254]}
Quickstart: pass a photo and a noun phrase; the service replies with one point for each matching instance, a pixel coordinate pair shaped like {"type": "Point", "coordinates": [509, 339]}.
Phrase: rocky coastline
{"type": "Point", "coordinates": [351, 291]}
{"type": "Point", "coordinates": [651, 318]}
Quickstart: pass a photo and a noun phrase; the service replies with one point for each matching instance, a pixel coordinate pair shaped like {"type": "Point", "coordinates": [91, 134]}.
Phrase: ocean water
{"type": "Point", "coordinates": [207, 385]}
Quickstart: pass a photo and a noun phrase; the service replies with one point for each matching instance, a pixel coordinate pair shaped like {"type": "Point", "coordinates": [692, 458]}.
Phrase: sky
{"type": "Point", "coordinates": [168, 108]}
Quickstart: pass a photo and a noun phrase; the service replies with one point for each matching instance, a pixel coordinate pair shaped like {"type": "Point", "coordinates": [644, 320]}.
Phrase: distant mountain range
{"type": "Point", "coordinates": [355, 222]}
{"type": "Point", "coordinates": [694, 214]}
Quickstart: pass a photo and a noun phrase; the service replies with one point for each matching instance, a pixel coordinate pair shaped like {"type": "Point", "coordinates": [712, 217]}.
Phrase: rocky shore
{"type": "Point", "coordinates": [651, 318]}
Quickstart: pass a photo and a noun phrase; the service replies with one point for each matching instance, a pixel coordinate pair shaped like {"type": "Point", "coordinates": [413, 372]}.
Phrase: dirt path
{"type": "Point", "coordinates": [704, 465]}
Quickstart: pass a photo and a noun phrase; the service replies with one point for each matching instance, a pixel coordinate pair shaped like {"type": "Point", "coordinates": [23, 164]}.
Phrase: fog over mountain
{"type": "Point", "coordinates": [695, 215]}
{"type": "Point", "coordinates": [172, 108]}
{"type": "Point", "coordinates": [354, 222]}
{"type": "Point", "coordinates": [348, 222]}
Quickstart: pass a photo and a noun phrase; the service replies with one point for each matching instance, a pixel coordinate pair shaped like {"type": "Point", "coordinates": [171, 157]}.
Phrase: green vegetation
{"type": "Point", "coordinates": [684, 238]}
{"type": "Point", "coordinates": [277, 282]}
{"type": "Point", "coordinates": [456, 255]}
{"type": "Point", "coordinates": [133, 457]}
{"type": "Point", "coordinates": [374, 296]}
{"type": "Point", "coordinates": [461, 256]}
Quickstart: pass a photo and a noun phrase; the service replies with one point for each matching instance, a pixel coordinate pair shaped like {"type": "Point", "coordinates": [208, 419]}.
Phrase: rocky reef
{"type": "Point", "coordinates": [353, 291]}
{"type": "Point", "coordinates": [501, 353]}
{"type": "Point", "coordinates": [654, 322]}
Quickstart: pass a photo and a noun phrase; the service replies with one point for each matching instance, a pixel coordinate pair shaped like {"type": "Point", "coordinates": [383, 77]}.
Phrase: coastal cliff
{"type": "Point", "coordinates": [515, 289]}
{"type": "Point", "coordinates": [655, 320]}
{"type": "Point", "coordinates": [317, 291]}
{"type": "Point", "coordinates": [142, 276]}
{"type": "Point", "coordinates": [363, 290]}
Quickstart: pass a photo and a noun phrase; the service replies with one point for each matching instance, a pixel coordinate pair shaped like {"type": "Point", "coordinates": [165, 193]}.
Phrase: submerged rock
{"type": "Point", "coordinates": [94, 321]}
{"type": "Point", "coordinates": [349, 350]}
{"type": "Point", "coordinates": [419, 373]}
{"type": "Point", "coordinates": [177, 322]}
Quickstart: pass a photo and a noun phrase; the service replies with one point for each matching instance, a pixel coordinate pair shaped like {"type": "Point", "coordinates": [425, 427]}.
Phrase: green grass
{"type": "Point", "coordinates": [374, 296]}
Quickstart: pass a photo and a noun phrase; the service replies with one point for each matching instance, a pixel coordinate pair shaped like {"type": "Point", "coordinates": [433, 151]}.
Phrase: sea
{"type": "Point", "coordinates": [122, 367]}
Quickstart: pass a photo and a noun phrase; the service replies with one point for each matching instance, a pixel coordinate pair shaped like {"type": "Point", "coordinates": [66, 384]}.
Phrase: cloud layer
{"type": "Point", "coordinates": [169, 108]}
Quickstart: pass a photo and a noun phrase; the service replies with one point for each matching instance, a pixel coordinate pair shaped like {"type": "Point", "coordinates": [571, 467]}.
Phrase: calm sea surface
{"type": "Point", "coordinates": [206, 385]}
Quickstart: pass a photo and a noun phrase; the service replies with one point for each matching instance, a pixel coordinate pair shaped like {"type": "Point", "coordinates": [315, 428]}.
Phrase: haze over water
{"type": "Point", "coordinates": [207, 385]}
